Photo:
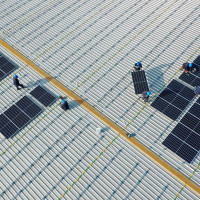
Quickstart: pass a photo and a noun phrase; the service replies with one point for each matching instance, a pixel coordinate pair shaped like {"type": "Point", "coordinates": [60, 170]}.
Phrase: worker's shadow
{"type": "Point", "coordinates": [41, 81]}
{"type": "Point", "coordinates": [156, 74]}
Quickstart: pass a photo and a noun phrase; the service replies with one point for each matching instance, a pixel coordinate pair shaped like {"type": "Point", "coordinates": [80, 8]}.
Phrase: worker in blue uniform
{"type": "Point", "coordinates": [138, 67]}
{"type": "Point", "coordinates": [64, 105]}
{"type": "Point", "coordinates": [145, 96]}
{"type": "Point", "coordinates": [16, 83]}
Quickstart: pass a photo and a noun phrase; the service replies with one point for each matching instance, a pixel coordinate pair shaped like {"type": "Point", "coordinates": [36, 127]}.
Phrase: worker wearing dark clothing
{"type": "Point", "coordinates": [16, 82]}
{"type": "Point", "coordinates": [64, 105]}
{"type": "Point", "coordinates": [197, 90]}
{"type": "Point", "coordinates": [138, 67]}
{"type": "Point", "coordinates": [189, 68]}
{"type": "Point", "coordinates": [145, 96]}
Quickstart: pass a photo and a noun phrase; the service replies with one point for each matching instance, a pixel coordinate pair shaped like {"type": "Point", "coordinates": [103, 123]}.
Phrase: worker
{"type": "Point", "coordinates": [16, 83]}
{"type": "Point", "coordinates": [64, 105]}
{"type": "Point", "coordinates": [138, 67]}
{"type": "Point", "coordinates": [189, 68]}
{"type": "Point", "coordinates": [145, 96]}
{"type": "Point", "coordinates": [197, 90]}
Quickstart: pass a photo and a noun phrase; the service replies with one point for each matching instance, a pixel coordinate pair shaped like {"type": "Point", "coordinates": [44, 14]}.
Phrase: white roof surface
{"type": "Point", "coordinates": [71, 40]}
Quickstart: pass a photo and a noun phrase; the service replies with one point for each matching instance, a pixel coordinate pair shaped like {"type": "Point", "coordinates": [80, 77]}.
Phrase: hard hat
{"type": "Point", "coordinates": [138, 63]}
{"type": "Point", "coordinates": [63, 101]}
{"type": "Point", "coordinates": [190, 64]}
{"type": "Point", "coordinates": [148, 93]}
{"type": "Point", "coordinates": [15, 76]}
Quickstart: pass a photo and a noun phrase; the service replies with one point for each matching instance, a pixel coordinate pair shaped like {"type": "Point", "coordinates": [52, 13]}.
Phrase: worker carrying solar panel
{"type": "Point", "coordinates": [16, 83]}
{"type": "Point", "coordinates": [64, 105]}
{"type": "Point", "coordinates": [145, 96]}
{"type": "Point", "coordinates": [189, 68]}
{"type": "Point", "coordinates": [138, 67]}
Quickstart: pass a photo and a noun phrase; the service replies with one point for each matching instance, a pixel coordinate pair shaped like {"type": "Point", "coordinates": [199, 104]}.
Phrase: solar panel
{"type": "Point", "coordinates": [140, 82]}
{"type": "Point", "coordinates": [195, 110]}
{"type": "Point", "coordinates": [173, 99]}
{"type": "Point", "coordinates": [5, 67]}
{"type": "Point", "coordinates": [187, 78]}
{"type": "Point", "coordinates": [197, 60]}
{"type": "Point", "coordinates": [15, 117]}
{"type": "Point", "coordinates": [189, 121]}
{"type": "Point", "coordinates": [194, 140]}
{"type": "Point", "coordinates": [43, 96]}
{"type": "Point", "coordinates": [181, 131]}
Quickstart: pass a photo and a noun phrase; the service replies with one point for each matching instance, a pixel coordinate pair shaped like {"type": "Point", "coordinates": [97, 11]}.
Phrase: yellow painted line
{"type": "Point", "coordinates": [104, 119]}
{"type": "Point", "coordinates": [21, 21]}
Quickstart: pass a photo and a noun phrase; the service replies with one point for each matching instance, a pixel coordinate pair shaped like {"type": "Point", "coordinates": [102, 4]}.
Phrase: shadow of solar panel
{"type": "Point", "coordinates": [187, 93]}
{"type": "Point", "coordinates": [187, 78]}
{"type": "Point", "coordinates": [175, 86]}
{"type": "Point", "coordinates": [38, 92]}
{"type": "Point", "coordinates": [167, 95]}
{"type": "Point", "coordinates": [12, 112]}
{"type": "Point", "coordinates": [3, 61]}
{"type": "Point", "coordinates": [24, 103]}
{"type": "Point", "coordinates": [194, 141]}
{"type": "Point", "coordinates": [180, 102]}
{"type": "Point", "coordinates": [8, 67]}
{"type": "Point", "coordinates": [2, 74]}
{"type": "Point", "coordinates": [160, 104]}
{"type": "Point", "coordinates": [3, 120]}
{"type": "Point", "coordinates": [189, 121]}
{"type": "Point", "coordinates": [196, 82]}
{"type": "Point", "coordinates": [47, 99]}
{"type": "Point", "coordinates": [181, 131]}
{"type": "Point", "coordinates": [187, 153]}
{"type": "Point", "coordinates": [172, 143]}
{"type": "Point", "coordinates": [197, 60]}
{"type": "Point", "coordinates": [9, 129]}
{"type": "Point", "coordinates": [33, 110]}
{"type": "Point", "coordinates": [172, 112]}
{"type": "Point", "coordinates": [197, 129]}
{"type": "Point", "coordinates": [21, 120]}
{"type": "Point", "coordinates": [195, 110]}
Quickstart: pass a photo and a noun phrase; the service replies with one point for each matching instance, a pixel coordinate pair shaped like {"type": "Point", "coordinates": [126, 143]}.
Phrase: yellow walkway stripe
{"type": "Point", "coordinates": [104, 119]}
{"type": "Point", "coordinates": [21, 21]}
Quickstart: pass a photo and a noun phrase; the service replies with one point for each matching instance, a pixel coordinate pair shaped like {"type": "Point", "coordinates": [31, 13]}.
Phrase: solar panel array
{"type": "Point", "coordinates": [192, 79]}
{"type": "Point", "coordinates": [173, 99]}
{"type": "Point", "coordinates": [5, 67]}
{"type": "Point", "coordinates": [184, 140]}
{"type": "Point", "coordinates": [140, 82]}
{"type": "Point", "coordinates": [43, 96]}
{"type": "Point", "coordinates": [17, 116]}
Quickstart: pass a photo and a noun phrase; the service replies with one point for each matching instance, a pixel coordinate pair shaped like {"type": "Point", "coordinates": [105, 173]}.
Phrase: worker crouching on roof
{"type": "Point", "coordinates": [138, 67]}
{"type": "Point", "coordinates": [189, 68]}
{"type": "Point", "coordinates": [145, 96]}
{"type": "Point", "coordinates": [64, 105]}
{"type": "Point", "coordinates": [16, 83]}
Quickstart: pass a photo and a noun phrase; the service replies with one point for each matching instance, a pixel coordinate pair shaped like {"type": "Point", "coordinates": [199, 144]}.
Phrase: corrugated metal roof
{"type": "Point", "coordinates": [70, 41]}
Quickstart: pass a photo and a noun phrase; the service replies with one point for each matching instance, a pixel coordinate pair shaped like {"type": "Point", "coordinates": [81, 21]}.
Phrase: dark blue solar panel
{"type": "Point", "coordinates": [12, 112]}
{"type": "Point", "coordinates": [3, 120]}
{"type": "Point", "coordinates": [47, 99]}
{"type": "Point", "coordinates": [175, 86]}
{"type": "Point", "coordinates": [189, 121]}
{"type": "Point", "coordinates": [2, 74]}
{"type": "Point", "coordinates": [196, 82]}
{"type": "Point", "coordinates": [3, 61]}
{"type": "Point", "coordinates": [172, 112]}
{"type": "Point", "coordinates": [187, 153]}
{"type": "Point", "coordinates": [21, 120]}
{"type": "Point", "coordinates": [7, 68]}
{"type": "Point", "coordinates": [160, 104]}
{"type": "Point", "coordinates": [38, 92]}
{"type": "Point", "coordinates": [197, 60]}
{"type": "Point", "coordinates": [188, 78]}
{"type": "Point", "coordinates": [187, 93]}
{"type": "Point", "coordinates": [181, 131]}
{"type": "Point", "coordinates": [195, 110]}
{"type": "Point", "coordinates": [167, 95]}
{"type": "Point", "coordinates": [197, 129]}
{"type": "Point", "coordinates": [194, 141]}
{"type": "Point", "coordinates": [24, 103]}
{"type": "Point", "coordinates": [33, 110]}
{"type": "Point", "coordinates": [198, 101]}
{"type": "Point", "coordinates": [9, 129]}
{"type": "Point", "coordinates": [180, 102]}
{"type": "Point", "coordinates": [172, 142]}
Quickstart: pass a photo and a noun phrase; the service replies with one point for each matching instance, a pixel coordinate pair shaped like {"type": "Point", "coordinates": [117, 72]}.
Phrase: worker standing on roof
{"type": "Point", "coordinates": [145, 96]}
{"type": "Point", "coordinates": [16, 83]}
{"type": "Point", "coordinates": [188, 67]}
{"type": "Point", "coordinates": [64, 105]}
{"type": "Point", "coordinates": [138, 67]}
